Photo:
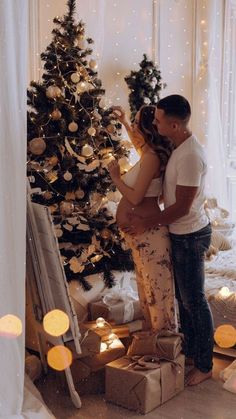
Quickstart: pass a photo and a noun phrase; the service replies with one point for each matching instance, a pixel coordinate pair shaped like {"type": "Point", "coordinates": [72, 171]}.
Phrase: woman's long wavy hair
{"type": "Point", "coordinates": [160, 144]}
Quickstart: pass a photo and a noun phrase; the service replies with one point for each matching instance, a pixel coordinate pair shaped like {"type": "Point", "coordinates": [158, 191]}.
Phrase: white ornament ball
{"type": "Point", "coordinates": [53, 92]}
{"type": "Point", "coordinates": [153, 84]}
{"type": "Point", "coordinates": [75, 77]}
{"type": "Point", "coordinates": [147, 101]}
{"type": "Point", "coordinates": [56, 114]}
{"type": "Point", "coordinates": [81, 87]}
{"type": "Point", "coordinates": [67, 176]}
{"type": "Point", "coordinates": [87, 151]}
{"type": "Point", "coordinates": [154, 79]}
{"type": "Point", "coordinates": [155, 99]}
{"type": "Point", "coordinates": [73, 126]}
{"type": "Point", "coordinates": [37, 146]}
{"type": "Point", "coordinates": [91, 131]}
{"type": "Point", "coordinates": [93, 64]}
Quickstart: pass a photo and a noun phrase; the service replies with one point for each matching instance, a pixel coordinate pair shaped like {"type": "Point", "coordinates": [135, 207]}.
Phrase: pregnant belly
{"type": "Point", "coordinates": [147, 208]}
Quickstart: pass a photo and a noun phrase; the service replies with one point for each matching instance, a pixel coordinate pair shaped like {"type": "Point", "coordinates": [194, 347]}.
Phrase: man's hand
{"type": "Point", "coordinates": [137, 225]}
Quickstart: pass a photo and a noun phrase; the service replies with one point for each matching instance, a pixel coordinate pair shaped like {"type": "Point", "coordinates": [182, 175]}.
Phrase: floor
{"type": "Point", "coordinates": [208, 400]}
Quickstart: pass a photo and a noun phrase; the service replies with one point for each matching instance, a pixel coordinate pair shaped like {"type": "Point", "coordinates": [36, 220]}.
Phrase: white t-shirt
{"type": "Point", "coordinates": [187, 167]}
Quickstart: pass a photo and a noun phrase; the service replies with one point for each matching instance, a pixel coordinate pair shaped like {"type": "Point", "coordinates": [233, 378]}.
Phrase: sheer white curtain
{"type": "Point", "coordinates": [15, 401]}
{"type": "Point", "coordinates": [207, 92]}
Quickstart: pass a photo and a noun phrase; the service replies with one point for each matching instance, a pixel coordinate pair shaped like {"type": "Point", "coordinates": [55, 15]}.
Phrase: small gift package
{"type": "Point", "coordinates": [143, 383]}
{"type": "Point", "coordinates": [120, 305]}
{"type": "Point", "coordinates": [110, 350]}
{"type": "Point", "coordinates": [90, 342]}
{"type": "Point", "coordinates": [166, 344]}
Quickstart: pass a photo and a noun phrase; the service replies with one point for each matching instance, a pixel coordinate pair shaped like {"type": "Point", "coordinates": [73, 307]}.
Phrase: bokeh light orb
{"type": "Point", "coordinates": [59, 358]}
{"type": "Point", "coordinates": [56, 323]}
{"type": "Point", "coordinates": [10, 326]}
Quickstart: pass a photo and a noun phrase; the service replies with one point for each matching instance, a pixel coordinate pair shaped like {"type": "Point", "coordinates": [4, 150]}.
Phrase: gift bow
{"type": "Point", "coordinates": [150, 362]}
{"type": "Point", "coordinates": [127, 295]}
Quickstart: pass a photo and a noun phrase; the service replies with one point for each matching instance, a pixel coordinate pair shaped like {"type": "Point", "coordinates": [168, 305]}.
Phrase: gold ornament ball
{"type": "Point", "coordinates": [79, 194]}
{"type": "Point", "coordinates": [48, 195]}
{"type": "Point", "coordinates": [56, 114]}
{"type": "Point", "coordinates": [66, 208]}
{"type": "Point", "coordinates": [67, 176]}
{"type": "Point", "coordinates": [37, 146]}
{"type": "Point", "coordinates": [73, 126]}
{"type": "Point", "coordinates": [93, 64]}
{"type": "Point", "coordinates": [105, 234]}
{"type": "Point", "coordinates": [75, 77]}
{"type": "Point", "coordinates": [91, 131]}
{"type": "Point", "coordinates": [53, 92]}
{"type": "Point", "coordinates": [81, 87]}
{"type": "Point", "coordinates": [87, 151]}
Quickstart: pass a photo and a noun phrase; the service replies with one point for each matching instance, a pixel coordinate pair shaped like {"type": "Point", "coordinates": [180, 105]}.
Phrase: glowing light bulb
{"type": "Point", "coordinates": [103, 347]}
{"type": "Point", "coordinates": [100, 322]}
{"type": "Point", "coordinates": [224, 292]}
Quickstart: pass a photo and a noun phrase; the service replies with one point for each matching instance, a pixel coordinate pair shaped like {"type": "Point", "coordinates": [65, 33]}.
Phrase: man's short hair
{"type": "Point", "coordinates": [176, 106]}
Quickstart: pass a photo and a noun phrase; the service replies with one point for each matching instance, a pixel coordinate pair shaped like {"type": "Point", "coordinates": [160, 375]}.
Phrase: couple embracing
{"type": "Point", "coordinates": [168, 246]}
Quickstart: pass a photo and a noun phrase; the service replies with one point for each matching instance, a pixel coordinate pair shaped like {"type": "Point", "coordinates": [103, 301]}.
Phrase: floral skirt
{"type": "Point", "coordinates": [151, 252]}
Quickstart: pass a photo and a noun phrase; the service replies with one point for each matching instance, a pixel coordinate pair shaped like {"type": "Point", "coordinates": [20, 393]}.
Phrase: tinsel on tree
{"type": "Point", "coordinates": [144, 85]}
{"type": "Point", "coordinates": [72, 136]}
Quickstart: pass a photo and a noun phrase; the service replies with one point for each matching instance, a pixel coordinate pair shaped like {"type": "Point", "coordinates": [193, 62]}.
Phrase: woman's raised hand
{"type": "Point", "coordinates": [120, 114]}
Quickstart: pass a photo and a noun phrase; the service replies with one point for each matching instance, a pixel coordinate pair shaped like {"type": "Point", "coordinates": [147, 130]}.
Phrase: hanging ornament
{"type": "Point", "coordinates": [66, 208]}
{"type": "Point", "coordinates": [52, 176]}
{"type": "Point", "coordinates": [52, 92]}
{"type": "Point", "coordinates": [87, 151]}
{"type": "Point", "coordinates": [153, 84]}
{"type": "Point", "coordinates": [91, 131]}
{"type": "Point", "coordinates": [93, 64]}
{"type": "Point", "coordinates": [79, 193]}
{"type": "Point", "coordinates": [75, 78]}
{"type": "Point", "coordinates": [56, 114]}
{"type": "Point", "coordinates": [147, 101]}
{"type": "Point", "coordinates": [67, 176]}
{"type": "Point", "coordinates": [70, 196]}
{"type": "Point", "coordinates": [81, 87]}
{"type": "Point", "coordinates": [37, 146]}
{"type": "Point", "coordinates": [73, 126]}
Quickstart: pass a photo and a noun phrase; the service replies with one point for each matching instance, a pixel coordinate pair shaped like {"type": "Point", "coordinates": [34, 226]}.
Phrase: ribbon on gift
{"type": "Point", "coordinates": [150, 362]}
{"type": "Point", "coordinates": [127, 295]}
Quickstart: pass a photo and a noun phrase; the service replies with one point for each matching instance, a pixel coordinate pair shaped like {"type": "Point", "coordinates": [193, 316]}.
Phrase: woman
{"type": "Point", "coordinates": [141, 188]}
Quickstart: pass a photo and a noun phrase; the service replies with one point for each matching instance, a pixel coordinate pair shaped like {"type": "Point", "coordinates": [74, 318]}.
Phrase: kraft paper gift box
{"type": "Point", "coordinates": [120, 305]}
{"type": "Point", "coordinates": [90, 342]}
{"type": "Point", "coordinates": [166, 345]}
{"type": "Point", "coordinates": [143, 390]}
{"type": "Point", "coordinates": [81, 368]}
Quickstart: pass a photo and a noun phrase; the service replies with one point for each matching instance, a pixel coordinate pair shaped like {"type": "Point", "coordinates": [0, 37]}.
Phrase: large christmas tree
{"type": "Point", "coordinates": [72, 136]}
{"type": "Point", "coordinates": [144, 85]}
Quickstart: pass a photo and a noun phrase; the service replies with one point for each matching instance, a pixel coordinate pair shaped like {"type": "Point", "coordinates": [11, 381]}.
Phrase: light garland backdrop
{"type": "Point", "coordinates": [188, 39]}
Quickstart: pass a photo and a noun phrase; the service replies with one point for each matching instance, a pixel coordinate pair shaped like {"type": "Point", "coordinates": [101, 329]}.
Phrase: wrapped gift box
{"type": "Point", "coordinates": [166, 346]}
{"type": "Point", "coordinates": [115, 312]}
{"type": "Point", "coordinates": [145, 389]}
{"type": "Point", "coordinates": [82, 368]}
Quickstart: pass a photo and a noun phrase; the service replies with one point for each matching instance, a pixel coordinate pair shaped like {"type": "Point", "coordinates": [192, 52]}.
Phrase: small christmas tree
{"type": "Point", "coordinates": [144, 85]}
{"type": "Point", "coordinates": [72, 136]}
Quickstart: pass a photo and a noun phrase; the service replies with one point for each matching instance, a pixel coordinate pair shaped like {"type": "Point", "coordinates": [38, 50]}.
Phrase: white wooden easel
{"type": "Point", "coordinates": [47, 285]}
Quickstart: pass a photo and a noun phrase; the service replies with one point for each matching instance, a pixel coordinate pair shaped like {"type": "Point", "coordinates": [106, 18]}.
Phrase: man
{"type": "Point", "coordinates": [190, 231]}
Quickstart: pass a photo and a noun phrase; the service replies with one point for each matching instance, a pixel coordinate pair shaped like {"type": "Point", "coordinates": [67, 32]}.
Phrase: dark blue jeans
{"type": "Point", "coordinates": [188, 252]}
